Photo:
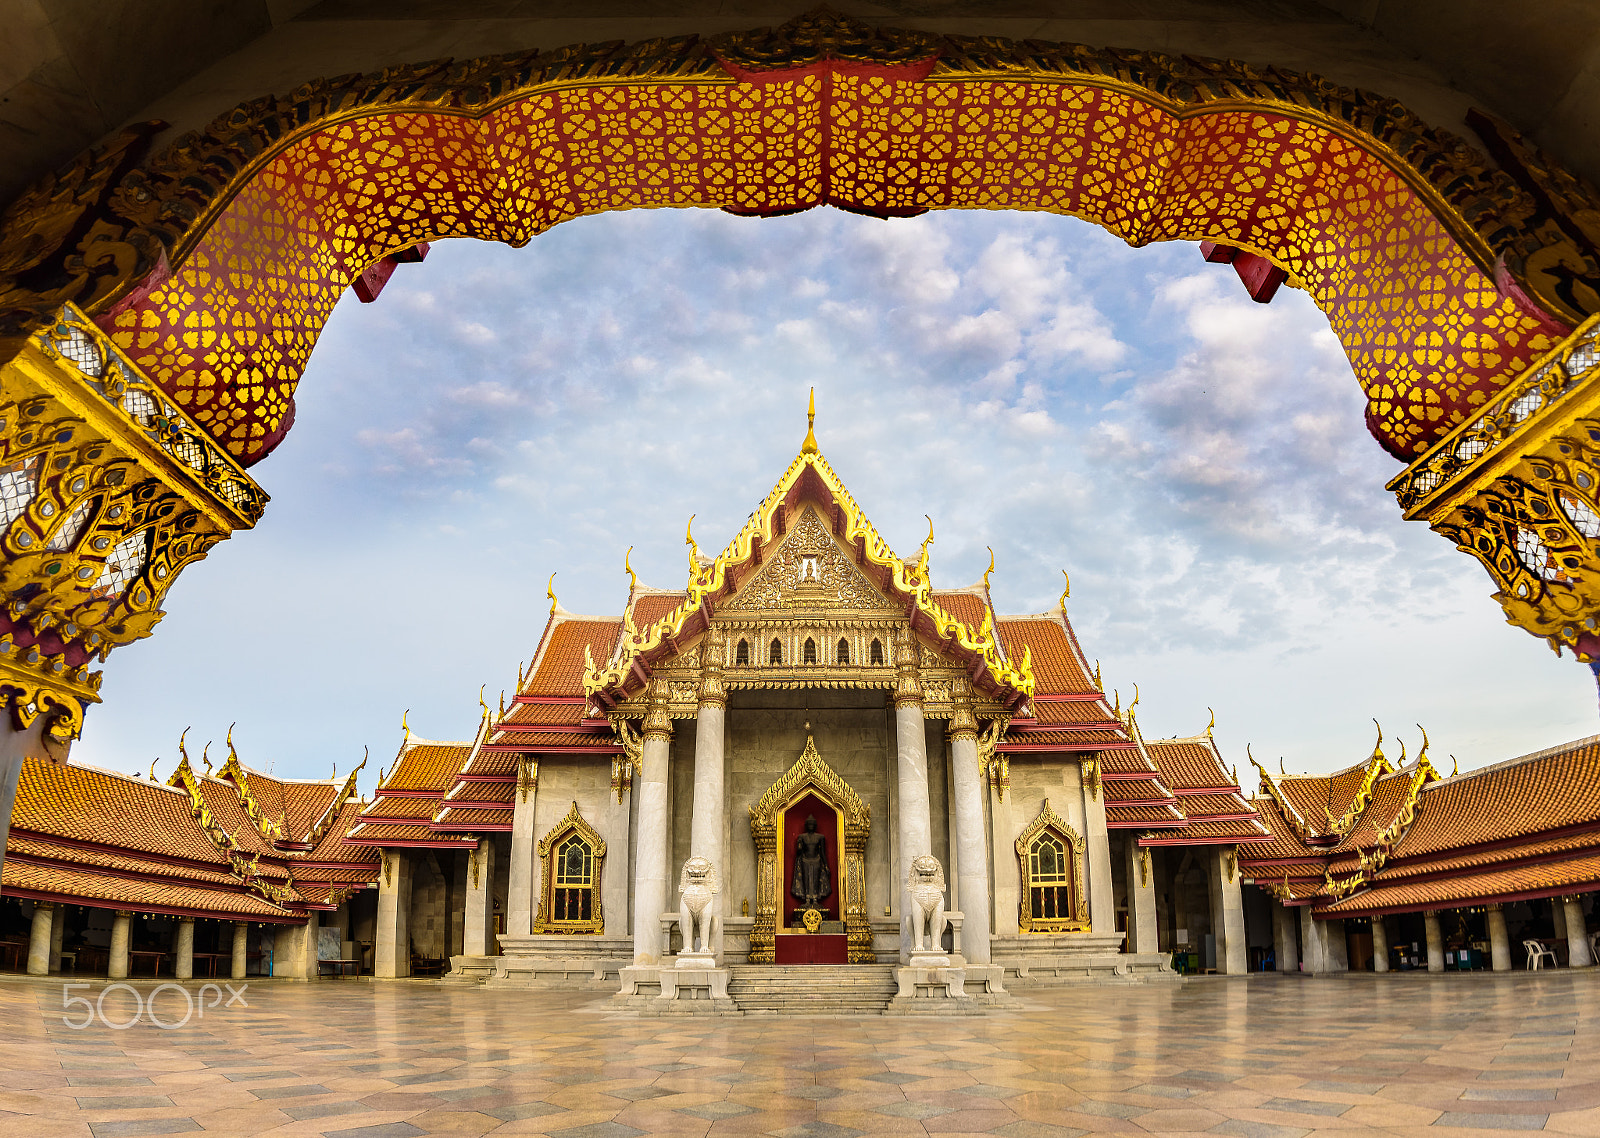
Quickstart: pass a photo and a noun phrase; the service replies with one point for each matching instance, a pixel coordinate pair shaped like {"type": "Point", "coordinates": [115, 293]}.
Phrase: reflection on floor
{"type": "Point", "coordinates": [1254, 1058]}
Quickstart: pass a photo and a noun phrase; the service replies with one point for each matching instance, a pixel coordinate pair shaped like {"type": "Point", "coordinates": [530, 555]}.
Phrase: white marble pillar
{"type": "Point", "coordinates": [391, 949]}
{"type": "Point", "coordinates": [294, 950]}
{"type": "Point", "coordinates": [44, 917]}
{"type": "Point", "coordinates": [708, 817]}
{"type": "Point", "coordinates": [1323, 944]}
{"type": "Point", "coordinates": [971, 856]}
{"type": "Point", "coordinates": [1003, 829]}
{"type": "Point", "coordinates": [1380, 945]}
{"type": "Point", "coordinates": [1097, 842]}
{"type": "Point", "coordinates": [915, 823]}
{"type": "Point", "coordinates": [1558, 918]}
{"type": "Point", "coordinates": [477, 933]}
{"type": "Point", "coordinates": [1435, 938]}
{"type": "Point", "coordinates": [1227, 911]}
{"type": "Point", "coordinates": [521, 895]}
{"type": "Point", "coordinates": [1499, 939]}
{"type": "Point", "coordinates": [1287, 944]}
{"type": "Point", "coordinates": [1578, 954]}
{"type": "Point", "coordinates": [183, 950]}
{"type": "Point", "coordinates": [58, 936]}
{"type": "Point", "coordinates": [15, 748]}
{"type": "Point", "coordinates": [121, 935]}
{"type": "Point", "coordinates": [241, 949]}
{"type": "Point", "coordinates": [1142, 928]}
{"type": "Point", "coordinates": [650, 883]}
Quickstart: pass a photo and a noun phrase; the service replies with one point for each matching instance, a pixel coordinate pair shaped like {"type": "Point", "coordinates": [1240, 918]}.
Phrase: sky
{"type": "Point", "coordinates": [1195, 461]}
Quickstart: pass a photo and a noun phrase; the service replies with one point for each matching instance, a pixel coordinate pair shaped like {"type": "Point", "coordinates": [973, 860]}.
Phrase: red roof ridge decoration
{"type": "Point", "coordinates": [709, 580]}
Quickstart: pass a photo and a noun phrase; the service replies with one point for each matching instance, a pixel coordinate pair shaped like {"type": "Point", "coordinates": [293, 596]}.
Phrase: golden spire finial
{"type": "Point", "coordinates": [502, 703]}
{"type": "Point", "coordinates": [1066, 592]}
{"type": "Point", "coordinates": [1455, 766]}
{"type": "Point", "coordinates": [153, 763]}
{"type": "Point", "coordinates": [694, 548]}
{"type": "Point", "coordinates": [481, 703]}
{"type": "Point", "coordinates": [550, 591]}
{"type": "Point", "coordinates": [205, 756]}
{"type": "Point", "coordinates": [1281, 769]}
{"type": "Point", "coordinates": [1098, 686]}
{"type": "Point", "coordinates": [1377, 748]}
{"type": "Point", "coordinates": [366, 753]}
{"type": "Point", "coordinates": [922, 560]}
{"type": "Point", "coordinates": [1210, 727]}
{"type": "Point", "coordinates": [1116, 708]}
{"type": "Point", "coordinates": [1422, 755]}
{"type": "Point", "coordinates": [335, 775]}
{"type": "Point", "coordinates": [810, 445]}
{"type": "Point", "coordinates": [405, 727]}
{"type": "Point", "coordinates": [232, 754]}
{"type": "Point", "coordinates": [627, 567]}
{"type": "Point", "coordinates": [989, 570]}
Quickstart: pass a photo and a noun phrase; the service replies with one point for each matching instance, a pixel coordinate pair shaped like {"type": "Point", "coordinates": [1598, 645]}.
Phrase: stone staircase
{"type": "Point", "coordinates": [812, 989]}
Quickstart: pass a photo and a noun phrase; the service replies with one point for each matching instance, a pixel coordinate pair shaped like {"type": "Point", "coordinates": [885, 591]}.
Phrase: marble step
{"type": "Point", "coordinates": [799, 989]}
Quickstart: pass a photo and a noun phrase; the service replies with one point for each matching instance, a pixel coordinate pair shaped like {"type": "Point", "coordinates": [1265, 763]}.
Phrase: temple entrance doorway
{"type": "Point", "coordinates": [810, 831]}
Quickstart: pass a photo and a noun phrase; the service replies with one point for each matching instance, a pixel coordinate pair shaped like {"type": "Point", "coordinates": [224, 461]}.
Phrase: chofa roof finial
{"type": "Point", "coordinates": [1066, 592]}
{"type": "Point", "coordinates": [627, 567]}
{"type": "Point", "coordinates": [810, 445]}
{"type": "Point", "coordinates": [550, 591]}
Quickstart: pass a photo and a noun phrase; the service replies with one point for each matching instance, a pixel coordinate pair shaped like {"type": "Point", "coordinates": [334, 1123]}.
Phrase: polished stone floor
{"type": "Point", "coordinates": [1253, 1058]}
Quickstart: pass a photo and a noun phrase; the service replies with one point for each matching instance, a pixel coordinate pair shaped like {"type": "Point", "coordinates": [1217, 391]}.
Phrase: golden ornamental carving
{"type": "Point", "coordinates": [711, 692]}
{"type": "Point", "coordinates": [1089, 770]}
{"type": "Point", "coordinates": [1371, 861]}
{"type": "Point", "coordinates": [109, 491]}
{"type": "Point", "coordinates": [545, 922]}
{"type": "Point", "coordinates": [963, 724]}
{"type": "Point", "coordinates": [657, 719]}
{"type": "Point", "coordinates": [995, 763]}
{"type": "Point", "coordinates": [908, 681]}
{"type": "Point", "coordinates": [709, 580]}
{"type": "Point", "coordinates": [808, 571]}
{"type": "Point", "coordinates": [527, 777]}
{"type": "Point", "coordinates": [1078, 918]}
{"type": "Point", "coordinates": [1518, 487]}
{"type": "Point", "coordinates": [811, 774]}
{"type": "Point", "coordinates": [232, 771]}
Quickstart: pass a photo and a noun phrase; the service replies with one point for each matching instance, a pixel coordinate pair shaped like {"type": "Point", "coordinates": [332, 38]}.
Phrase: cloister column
{"type": "Point", "coordinates": [44, 916]}
{"type": "Point", "coordinates": [520, 893]}
{"type": "Point", "coordinates": [477, 933]}
{"type": "Point", "coordinates": [1430, 926]}
{"type": "Point", "coordinates": [241, 949]}
{"type": "Point", "coordinates": [1499, 939]}
{"type": "Point", "coordinates": [710, 801]}
{"type": "Point", "coordinates": [391, 949]}
{"type": "Point", "coordinates": [1143, 933]}
{"type": "Point", "coordinates": [1323, 944]}
{"type": "Point", "coordinates": [294, 950]}
{"type": "Point", "coordinates": [121, 934]}
{"type": "Point", "coordinates": [1227, 911]}
{"type": "Point", "coordinates": [1283, 935]}
{"type": "Point", "coordinates": [650, 859]}
{"type": "Point", "coordinates": [1097, 842]}
{"type": "Point", "coordinates": [1578, 954]}
{"type": "Point", "coordinates": [58, 936]}
{"type": "Point", "coordinates": [1380, 944]}
{"type": "Point", "coordinates": [972, 856]}
{"type": "Point", "coordinates": [183, 954]}
{"type": "Point", "coordinates": [911, 743]}
{"type": "Point", "coordinates": [1558, 918]}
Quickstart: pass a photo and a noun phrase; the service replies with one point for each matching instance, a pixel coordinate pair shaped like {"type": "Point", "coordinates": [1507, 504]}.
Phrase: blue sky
{"type": "Point", "coordinates": [1196, 461]}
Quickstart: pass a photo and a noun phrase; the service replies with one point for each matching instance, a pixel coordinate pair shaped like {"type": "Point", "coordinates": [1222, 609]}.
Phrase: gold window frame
{"type": "Point", "coordinates": [572, 823]}
{"type": "Point", "coordinates": [1048, 819]}
{"type": "Point", "coordinates": [810, 774]}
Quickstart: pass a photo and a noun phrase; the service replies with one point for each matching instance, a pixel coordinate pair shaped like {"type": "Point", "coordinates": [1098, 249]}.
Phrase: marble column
{"type": "Point", "coordinates": [1227, 911]}
{"type": "Point", "coordinates": [1499, 939]}
{"type": "Point", "coordinates": [1435, 937]}
{"type": "Point", "coordinates": [708, 817]}
{"type": "Point", "coordinates": [654, 833]}
{"type": "Point", "coordinates": [971, 856]}
{"type": "Point", "coordinates": [521, 894]}
{"type": "Point", "coordinates": [58, 935]}
{"type": "Point", "coordinates": [241, 949]}
{"type": "Point", "coordinates": [391, 950]}
{"type": "Point", "coordinates": [1578, 954]}
{"type": "Point", "coordinates": [1558, 918]}
{"type": "Point", "coordinates": [1323, 944]}
{"type": "Point", "coordinates": [121, 935]}
{"type": "Point", "coordinates": [1286, 944]}
{"type": "Point", "coordinates": [1380, 945]}
{"type": "Point", "coordinates": [477, 934]}
{"type": "Point", "coordinates": [1142, 928]}
{"type": "Point", "coordinates": [294, 950]}
{"type": "Point", "coordinates": [15, 748]}
{"type": "Point", "coordinates": [44, 919]}
{"type": "Point", "coordinates": [1097, 842]}
{"type": "Point", "coordinates": [183, 954]}
{"type": "Point", "coordinates": [911, 744]}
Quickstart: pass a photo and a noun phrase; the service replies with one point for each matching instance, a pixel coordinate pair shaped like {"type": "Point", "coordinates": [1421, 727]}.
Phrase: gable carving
{"type": "Point", "coordinates": [809, 571]}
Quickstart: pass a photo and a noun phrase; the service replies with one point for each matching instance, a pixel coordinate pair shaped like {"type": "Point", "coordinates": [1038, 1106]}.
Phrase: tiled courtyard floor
{"type": "Point", "coordinates": [1258, 1058]}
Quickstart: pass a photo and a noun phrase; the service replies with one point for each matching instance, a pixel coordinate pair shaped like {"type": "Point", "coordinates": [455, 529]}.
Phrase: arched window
{"type": "Point", "coordinates": [775, 653]}
{"type": "Point", "coordinates": [741, 655]}
{"type": "Point", "coordinates": [1051, 857]}
{"type": "Point", "coordinates": [844, 651]}
{"type": "Point", "coordinates": [569, 895]}
{"type": "Point", "coordinates": [877, 652]}
{"type": "Point", "coordinates": [811, 651]}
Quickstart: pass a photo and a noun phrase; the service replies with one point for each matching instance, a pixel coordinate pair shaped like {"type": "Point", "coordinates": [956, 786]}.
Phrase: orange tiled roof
{"type": "Point", "coordinates": [1133, 816]}
{"type": "Point", "coordinates": [1188, 763]}
{"type": "Point", "coordinates": [381, 833]}
{"type": "Point", "coordinates": [389, 806]}
{"type": "Point", "coordinates": [647, 609]}
{"type": "Point", "coordinates": [426, 765]}
{"type": "Point", "coordinates": [1213, 833]}
{"type": "Point", "coordinates": [1135, 789]}
{"type": "Point", "coordinates": [332, 846]}
{"type": "Point", "coordinates": [554, 739]}
{"type": "Point", "coordinates": [542, 714]}
{"type": "Point", "coordinates": [560, 666]}
{"type": "Point", "coordinates": [43, 848]}
{"type": "Point", "coordinates": [459, 818]}
{"type": "Point", "coordinates": [1072, 711]}
{"type": "Point", "coordinates": [968, 608]}
{"type": "Point", "coordinates": [478, 791]}
{"type": "Point", "coordinates": [1057, 668]}
{"type": "Point", "coordinates": [1541, 879]}
{"type": "Point", "coordinates": [1317, 795]}
{"type": "Point", "coordinates": [85, 887]}
{"type": "Point", "coordinates": [90, 805]}
{"type": "Point", "coordinates": [1088, 737]}
{"type": "Point", "coordinates": [1211, 805]}
{"type": "Point", "coordinates": [1448, 862]}
{"type": "Point", "coordinates": [1285, 842]}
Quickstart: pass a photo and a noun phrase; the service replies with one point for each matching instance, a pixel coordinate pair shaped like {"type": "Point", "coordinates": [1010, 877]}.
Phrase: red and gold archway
{"type": "Point", "coordinates": [212, 267]}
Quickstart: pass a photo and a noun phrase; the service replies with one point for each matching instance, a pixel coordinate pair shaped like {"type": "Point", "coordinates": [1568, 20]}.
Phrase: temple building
{"type": "Point", "coordinates": [806, 755]}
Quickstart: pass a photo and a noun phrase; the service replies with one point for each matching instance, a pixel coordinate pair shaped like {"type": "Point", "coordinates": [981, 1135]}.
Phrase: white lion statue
{"type": "Point", "coordinates": [925, 884]}
{"type": "Point", "coordinates": [698, 918]}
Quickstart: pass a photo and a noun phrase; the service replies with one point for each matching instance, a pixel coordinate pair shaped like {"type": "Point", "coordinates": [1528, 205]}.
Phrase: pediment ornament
{"type": "Point", "coordinates": [809, 571]}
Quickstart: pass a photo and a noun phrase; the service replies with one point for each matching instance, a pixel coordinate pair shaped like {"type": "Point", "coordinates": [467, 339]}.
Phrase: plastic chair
{"type": "Point", "coordinates": [1537, 953]}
